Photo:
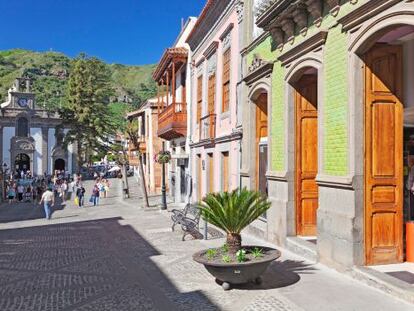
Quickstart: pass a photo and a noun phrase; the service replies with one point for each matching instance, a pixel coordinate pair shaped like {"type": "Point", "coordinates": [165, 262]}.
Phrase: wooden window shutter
{"type": "Point", "coordinates": [226, 81]}
{"type": "Point", "coordinates": [199, 97]}
{"type": "Point", "coordinates": [211, 93]}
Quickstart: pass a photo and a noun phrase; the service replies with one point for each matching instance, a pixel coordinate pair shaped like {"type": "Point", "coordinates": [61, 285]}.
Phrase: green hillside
{"type": "Point", "coordinates": [50, 70]}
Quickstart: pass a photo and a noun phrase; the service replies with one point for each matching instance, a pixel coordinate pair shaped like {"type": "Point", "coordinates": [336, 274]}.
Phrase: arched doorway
{"type": "Point", "coordinates": [305, 93]}
{"type": "Point", "coordinates": [59, 165]}
{"type": "Point", "coordinates": [22, 162]}
{"type": "Point", "coordinates": [388, 146]}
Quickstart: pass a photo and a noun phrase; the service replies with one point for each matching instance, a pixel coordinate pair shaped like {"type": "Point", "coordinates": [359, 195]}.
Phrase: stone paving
{"type": "Point", "coordinates": [118, 256]}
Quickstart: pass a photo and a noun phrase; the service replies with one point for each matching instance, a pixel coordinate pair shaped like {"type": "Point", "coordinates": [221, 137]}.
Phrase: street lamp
{"type": "Point", "coordinates": [163, 191]}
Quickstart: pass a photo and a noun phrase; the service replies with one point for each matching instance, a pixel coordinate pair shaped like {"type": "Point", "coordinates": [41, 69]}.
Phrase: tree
{"type": "Point", "coordinates": [86, 107]}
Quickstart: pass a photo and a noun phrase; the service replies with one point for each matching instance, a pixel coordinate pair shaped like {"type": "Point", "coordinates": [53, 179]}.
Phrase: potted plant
{"type": "Point", "coordinates": [232, 212]}
{"type": "Point", "coordinates": [162, 157]}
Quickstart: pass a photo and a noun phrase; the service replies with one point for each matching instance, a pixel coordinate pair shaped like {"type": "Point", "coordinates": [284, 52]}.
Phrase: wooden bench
{"type": "Point", "coordinates": [188, 218]}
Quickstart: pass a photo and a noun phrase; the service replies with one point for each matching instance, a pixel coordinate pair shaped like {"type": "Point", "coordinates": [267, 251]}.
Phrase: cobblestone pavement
{"type": "Point", "coordinates": [118, 256]}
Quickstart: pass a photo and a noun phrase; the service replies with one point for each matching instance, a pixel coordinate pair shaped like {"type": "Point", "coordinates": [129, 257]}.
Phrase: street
{"type": "Point", "coordinates": [117, 256]}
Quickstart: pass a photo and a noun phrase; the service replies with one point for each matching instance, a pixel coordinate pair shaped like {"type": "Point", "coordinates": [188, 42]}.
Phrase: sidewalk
{"type": "Point", "coordinates": [291, 283]}
{"type": "Point", "coordinates": [118, 256]}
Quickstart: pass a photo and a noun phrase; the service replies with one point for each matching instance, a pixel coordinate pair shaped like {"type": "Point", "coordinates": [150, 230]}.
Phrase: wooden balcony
{"type": "Point", "coordinates": [208, 127]}
{"type": "Point", "coordinates": [172, 121]}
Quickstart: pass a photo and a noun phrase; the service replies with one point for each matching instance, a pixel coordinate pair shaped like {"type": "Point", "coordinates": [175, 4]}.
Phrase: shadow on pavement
{"type": "Point", "coordinates": [281, 274]}
{"type": "Point", "coordinates": [89, 265]}
{"type": "Point", "coordinates": [26, 211]}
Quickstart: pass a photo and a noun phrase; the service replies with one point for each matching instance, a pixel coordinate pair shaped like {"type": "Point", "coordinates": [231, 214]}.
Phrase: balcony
{"type": "Point", "coordinates": [208, 127]}
{"type": "Point", "coordinates": [172, 121]}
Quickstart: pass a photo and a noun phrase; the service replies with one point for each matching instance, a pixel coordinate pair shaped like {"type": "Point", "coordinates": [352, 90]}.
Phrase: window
{"type": "Point", "coordinates": [211, 93]}
{"type": "Point", "coordinates": [226, 81]}
{"type": "Point", "coordinates": [199, 97]}
{"type": "Point", "coordinates": [22, 127]}
{"type": "Point", "coordinates": [225, 168]}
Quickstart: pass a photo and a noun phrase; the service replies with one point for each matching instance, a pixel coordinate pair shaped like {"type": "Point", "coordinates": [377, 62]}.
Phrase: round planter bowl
{"type": "Point", "coordinates": [238, 273]}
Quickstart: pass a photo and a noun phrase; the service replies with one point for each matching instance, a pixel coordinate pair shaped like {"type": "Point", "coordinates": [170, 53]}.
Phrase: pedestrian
{"type": "Point", "coordinates": [95, 195]}
{"type": "Point", "coordinates": [20, 191]}
{"type": "Point", "coordinates": [28, 194]}
{"type": "Point", "coordinates": [63, 190]}
{"type": "Point", "coordinates": [48, 200]}
{"type": "Point", "coordinates": [71, 189]}
{"type": "Point", "coordinates": [106, 187]}
{"type": "Point", "coordinates": [11, 193]}
{"type": "Point", "coordinates": [80, 193]}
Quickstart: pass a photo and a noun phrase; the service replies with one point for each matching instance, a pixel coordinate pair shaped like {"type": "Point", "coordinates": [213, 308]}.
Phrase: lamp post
{"type": "Point", "coordinates": [163, 190]}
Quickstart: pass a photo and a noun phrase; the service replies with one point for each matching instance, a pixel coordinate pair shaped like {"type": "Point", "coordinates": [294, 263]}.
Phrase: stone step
{"type": "Point", "coordinates": [384, 282]}
{"type": "Point", "coordinates": [302, 248]}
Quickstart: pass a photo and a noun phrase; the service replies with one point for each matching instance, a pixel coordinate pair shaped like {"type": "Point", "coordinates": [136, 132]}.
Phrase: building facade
{"type": "Point", "coordinates": [337, 79]}
{"type": "Point", "coordinates": [215, 139]}
{"type": "Point", "coordinates": [32, 137]}
{"type": "Point", "coordinates": [173, 79]}
{"type": "Point", "coordinates": [150, 144]}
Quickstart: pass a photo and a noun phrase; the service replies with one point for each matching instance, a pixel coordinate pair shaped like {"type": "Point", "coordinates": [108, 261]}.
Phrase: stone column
{"type": "Point", "coordinates": [44, 151]}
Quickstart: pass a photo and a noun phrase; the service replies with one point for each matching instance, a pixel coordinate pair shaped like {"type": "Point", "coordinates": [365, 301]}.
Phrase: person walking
{"type": "Point", "coordinates": [106, 187]}
{"type": "Point", "coordinates": [80, 193]}
{"type": "Point", "coordinates": [63, 190]}
{"type": "Point", "coordinates": [20, 191]}
{"type": "Point", "coordinates": [71, 189]}
{"type": "Point", "coordinates": [95, 195]}
{"type": "Point", "coordinates": [11, 193]}
{"type": "Point", "coordinates": [48, 200]}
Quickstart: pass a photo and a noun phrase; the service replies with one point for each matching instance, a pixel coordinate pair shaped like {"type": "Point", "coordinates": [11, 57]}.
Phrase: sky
{"type": "Point", "coordinates": [131, 32]}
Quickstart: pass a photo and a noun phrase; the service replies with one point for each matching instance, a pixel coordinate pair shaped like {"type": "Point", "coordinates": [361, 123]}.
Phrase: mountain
{"type": "Point", "coordinates": [50, 72]}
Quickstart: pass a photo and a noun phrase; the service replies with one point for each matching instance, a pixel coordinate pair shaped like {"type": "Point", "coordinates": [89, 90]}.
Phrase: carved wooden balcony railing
{"type": "Point", "coordinates": [208, 127]}
{"type": "Point", "coordinates": [172, 121]}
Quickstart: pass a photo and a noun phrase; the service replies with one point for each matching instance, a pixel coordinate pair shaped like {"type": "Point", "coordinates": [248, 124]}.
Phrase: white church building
{"type": "Point", "coordinates": [30, 136]}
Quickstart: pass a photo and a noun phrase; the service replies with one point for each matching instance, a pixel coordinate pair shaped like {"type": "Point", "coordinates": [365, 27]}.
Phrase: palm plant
{"type": "Point", "coordinates": [232, 212]}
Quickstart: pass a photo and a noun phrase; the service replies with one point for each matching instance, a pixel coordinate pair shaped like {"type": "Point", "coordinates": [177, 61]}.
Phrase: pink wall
{"type": "Point", "coordinates": [225, 122]}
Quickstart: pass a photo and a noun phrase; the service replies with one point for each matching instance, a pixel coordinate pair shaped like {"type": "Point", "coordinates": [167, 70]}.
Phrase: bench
{"type": "Point", "coordinates": [188, 218]}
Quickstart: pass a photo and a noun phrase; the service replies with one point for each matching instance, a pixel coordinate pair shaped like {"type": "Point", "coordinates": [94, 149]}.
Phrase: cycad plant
{"type": "Point", "coordinates": [232, 212]}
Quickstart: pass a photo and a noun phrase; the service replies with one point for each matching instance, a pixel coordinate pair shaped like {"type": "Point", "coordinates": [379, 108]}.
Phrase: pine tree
{"type": "Point", "coordinates": [86, 109]}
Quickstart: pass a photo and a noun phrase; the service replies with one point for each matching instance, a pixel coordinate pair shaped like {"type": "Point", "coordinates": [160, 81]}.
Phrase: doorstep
{"type": "Point", "coordinates": [394, 279]}
{"type": "Point", "coordinates": [303, 247]}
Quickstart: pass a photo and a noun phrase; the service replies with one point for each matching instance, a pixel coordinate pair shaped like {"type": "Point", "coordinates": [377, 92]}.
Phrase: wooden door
{"type": "Point", "coordinates": [383, 155]}
{"type": "Point", "coordinates": [199, 178]}
{"type": "Point", "coordinates": [211, 172]}
{"type": "Point", "coordinates": [261, 132]}
{"type": "Point", "coordinates": [225, 156]}
{"type": "Point", "coordinates": [306, 155]}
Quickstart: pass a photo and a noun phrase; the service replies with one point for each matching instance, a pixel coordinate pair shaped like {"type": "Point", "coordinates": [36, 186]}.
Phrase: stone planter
{"type": "Point", "coordinates": [235, 272]}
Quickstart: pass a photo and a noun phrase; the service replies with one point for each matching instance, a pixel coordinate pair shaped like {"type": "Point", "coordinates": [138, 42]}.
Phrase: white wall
{"type": "Point", "coordinates": [51, 144]}
{"type": "Point", "coordinates": [8, 133]}
{"type": "Point", "coordinates": [36, 133]}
